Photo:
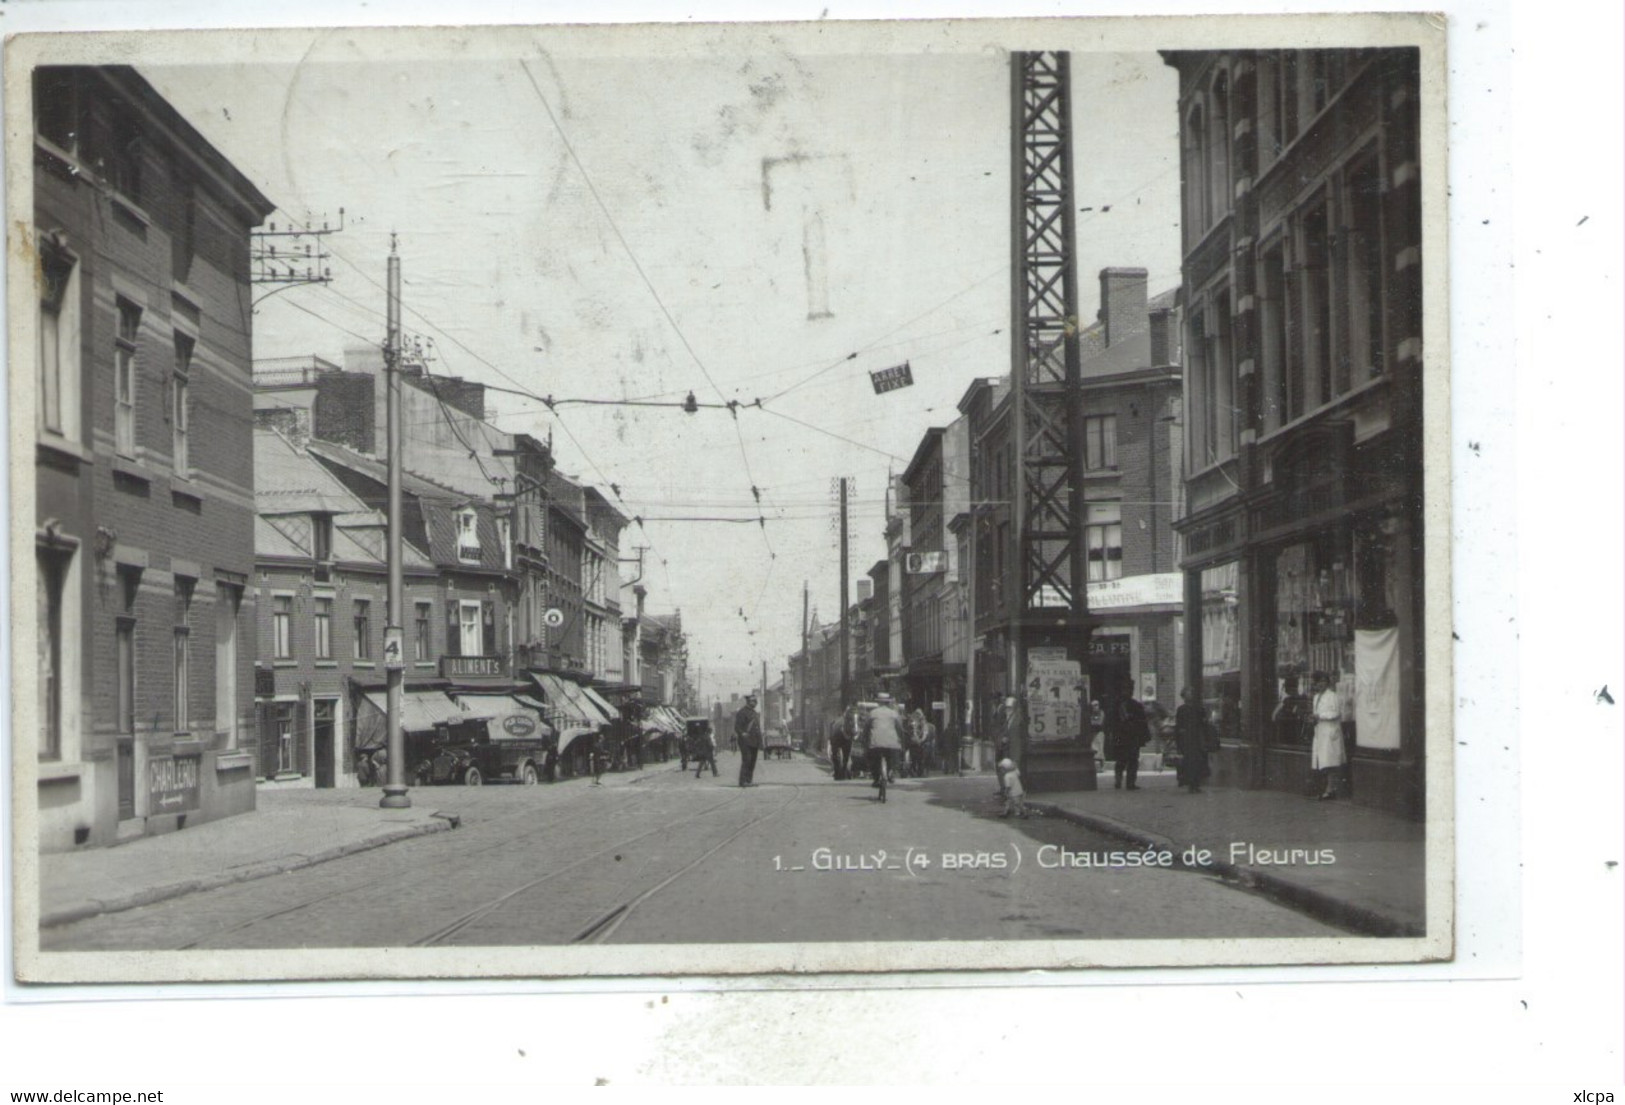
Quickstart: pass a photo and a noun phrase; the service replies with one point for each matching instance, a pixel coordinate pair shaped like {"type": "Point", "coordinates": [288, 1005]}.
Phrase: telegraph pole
{"type": "Point", "coordinates": [395, 797]}
{"type": "Point", "coordinates": [846, 675]}
{"type": "Point", "coordinates": [806, 666]}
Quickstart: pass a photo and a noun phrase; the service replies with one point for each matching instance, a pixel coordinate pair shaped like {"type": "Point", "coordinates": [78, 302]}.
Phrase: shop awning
{"type": "Point", "coordinates": [568, 736]}
{"type": "Point", "coordinates": [602, 703]}
{"type": "Point", "coordinates": [566, 710]}
{"type": "Point", "coordinates": [658, 719]}
{"type": "Point", "coordinates": [420, 710]}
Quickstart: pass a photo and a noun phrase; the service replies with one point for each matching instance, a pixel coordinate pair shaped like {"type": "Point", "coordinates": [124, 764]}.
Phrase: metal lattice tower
{"type": "Point", "coordinates": [1046, 389]}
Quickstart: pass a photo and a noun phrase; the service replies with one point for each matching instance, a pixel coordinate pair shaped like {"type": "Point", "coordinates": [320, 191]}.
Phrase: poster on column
{"type": "Point", "coordinates": [1054, 697]}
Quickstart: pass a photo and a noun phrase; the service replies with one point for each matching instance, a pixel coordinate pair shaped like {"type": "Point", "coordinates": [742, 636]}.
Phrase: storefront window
{"type": "Point", "coordinates": [1315, 596]}
{"type": "Point", "coordinates": [1221, 649]}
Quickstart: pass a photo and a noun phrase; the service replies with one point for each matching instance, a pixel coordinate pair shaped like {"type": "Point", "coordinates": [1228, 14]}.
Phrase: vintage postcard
{"type": "Point", "coordinates": [810, 499]}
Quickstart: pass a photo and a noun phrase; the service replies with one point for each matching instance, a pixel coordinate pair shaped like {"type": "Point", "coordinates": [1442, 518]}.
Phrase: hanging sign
{"type": "Point", "coordinates": [553, 618]}
{"type": "Point", "coordinates": [890, 379]}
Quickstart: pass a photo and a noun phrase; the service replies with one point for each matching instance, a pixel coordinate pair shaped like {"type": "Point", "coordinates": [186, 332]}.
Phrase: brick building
{"type": "Point", "coordinates": [601, 588]}
{"type": "Point", "coordinates": [321, 575]}
{"type": "Point", "coordinates": [1302, 276]}
{"type": "Point", "coordinates": [143, 495]}
{"type": "Point", "coordinates": [466, 541]}
{"type": "Point", "coordinates": [1131, 382]}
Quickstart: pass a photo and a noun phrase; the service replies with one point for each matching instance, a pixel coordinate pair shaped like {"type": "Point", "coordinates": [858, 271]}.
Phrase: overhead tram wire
{"type": "Point", "coordinates": [637, 265]}
{"type": "Point", "coordinates": [852, 356]}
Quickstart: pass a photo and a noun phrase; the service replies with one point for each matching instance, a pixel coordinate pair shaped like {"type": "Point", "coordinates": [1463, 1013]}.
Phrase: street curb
{"type": "Point", "coordinates": [1316, 903]}
{"type": "Point", "coordinates": [81, 911]}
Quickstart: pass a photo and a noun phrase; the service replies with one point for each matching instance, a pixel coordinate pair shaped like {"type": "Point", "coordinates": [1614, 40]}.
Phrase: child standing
{"type": "Point", "coordinates": [1015, 795]}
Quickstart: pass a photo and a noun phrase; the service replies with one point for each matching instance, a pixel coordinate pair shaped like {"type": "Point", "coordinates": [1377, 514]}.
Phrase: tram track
{"type": "Point", "coordinates": [486, 909]}
{"type": "Point", "coordinates": [602, 929]}
{"type": "Point", "coordinates": [405, 882]}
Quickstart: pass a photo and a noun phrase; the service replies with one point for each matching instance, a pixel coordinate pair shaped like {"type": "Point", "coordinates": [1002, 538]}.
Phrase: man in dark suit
{"type": "Point", "coordinates": [748, 733]}
{"type": "Point", "coordinates": [840, 748]}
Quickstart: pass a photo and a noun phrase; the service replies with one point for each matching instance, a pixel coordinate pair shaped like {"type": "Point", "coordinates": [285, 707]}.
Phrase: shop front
{"type": "Point", "coordinates": [1319, 576]}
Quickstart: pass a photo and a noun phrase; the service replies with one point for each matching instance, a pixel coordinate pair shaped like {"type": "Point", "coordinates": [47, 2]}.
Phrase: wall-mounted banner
{"type": "Point", "coordinates": [890, 379]}
{"type": "Point", "coordinates": [925, 563]}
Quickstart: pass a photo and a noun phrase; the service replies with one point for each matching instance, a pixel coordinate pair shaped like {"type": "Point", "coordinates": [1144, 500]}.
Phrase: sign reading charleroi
{"type": "Point", "coordinates": [890, 379]}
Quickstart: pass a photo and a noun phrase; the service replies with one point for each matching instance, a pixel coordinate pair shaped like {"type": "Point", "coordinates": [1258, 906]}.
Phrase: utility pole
{"type": "Point", "coordinates": [395, 797]}
{"type": "Point", "coordinates": [846, 675]}
{"type": "Point", "coordinates": [806, 666]}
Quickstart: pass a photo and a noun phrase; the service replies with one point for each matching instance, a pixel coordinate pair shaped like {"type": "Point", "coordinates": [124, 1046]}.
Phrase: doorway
{"type": "Point", "coordinates": [322, 730]}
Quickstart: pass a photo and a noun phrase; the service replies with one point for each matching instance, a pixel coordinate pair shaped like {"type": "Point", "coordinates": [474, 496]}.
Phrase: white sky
{"type": "Point", "coordinates": [521, 260]}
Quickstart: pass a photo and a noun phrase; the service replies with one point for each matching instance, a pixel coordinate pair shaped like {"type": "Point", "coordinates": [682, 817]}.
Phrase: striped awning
{"type": "Point", "coordinates": [420, 710]}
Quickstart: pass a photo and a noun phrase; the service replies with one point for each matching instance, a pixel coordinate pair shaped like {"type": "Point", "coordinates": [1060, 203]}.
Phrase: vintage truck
{"type": "Point", "coordinates": [477, 750]}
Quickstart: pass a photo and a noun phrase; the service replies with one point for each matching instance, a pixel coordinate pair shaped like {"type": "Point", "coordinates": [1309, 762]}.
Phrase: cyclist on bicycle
{"type": "Point", "coordinates": [885, 738]}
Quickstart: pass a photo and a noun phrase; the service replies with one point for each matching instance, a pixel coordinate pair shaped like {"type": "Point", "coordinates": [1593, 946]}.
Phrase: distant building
{"type": "Point", "coordinates": [1303, 405]}
{"type": "Point", "coordinates": [144, 519]}
{"type": "Point", "coordinates": [1131, 380]}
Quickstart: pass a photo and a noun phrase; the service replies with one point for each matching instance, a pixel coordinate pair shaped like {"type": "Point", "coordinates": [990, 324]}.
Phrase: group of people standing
{"type": "Point", "coordinates": [918, 745]}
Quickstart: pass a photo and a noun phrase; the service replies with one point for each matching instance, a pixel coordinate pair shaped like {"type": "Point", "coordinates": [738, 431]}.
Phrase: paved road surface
{"type": "Point", "coordinates": [668, 858]}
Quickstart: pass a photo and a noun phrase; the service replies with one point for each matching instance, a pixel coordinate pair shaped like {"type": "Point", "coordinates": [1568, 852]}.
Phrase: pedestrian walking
{"type": "Point", "coordinates": [840, 745]}
{"type": "Point", "coordinates": [884, 735]}
{"type": "Point", "coordinates": [748, 733]}
{"type": "Point", "coordinates": [1192, 731]}
{"type": "Point", "coordinates": [595, 757]}
{"type": "Point", "coordinates": [705, 753]}
{"type": "Point", "coordinates": [928, 747]}
{"type": "Point", "coordinates": [1326, 755]}
{"type": "Point", "coordinates": [913, 742]}
{"type": "Point", "coordinates": [1131, 732]}
{"type": "Point", "coordinates": [1015, 795]}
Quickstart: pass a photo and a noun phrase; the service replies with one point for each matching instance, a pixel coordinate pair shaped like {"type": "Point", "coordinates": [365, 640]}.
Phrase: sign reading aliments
{"type": "Point", "coordinates": [890, 379]}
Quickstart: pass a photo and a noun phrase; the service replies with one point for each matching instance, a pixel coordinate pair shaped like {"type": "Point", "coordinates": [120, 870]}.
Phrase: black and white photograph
{"type": "Point", "coordinates": [730, 500]}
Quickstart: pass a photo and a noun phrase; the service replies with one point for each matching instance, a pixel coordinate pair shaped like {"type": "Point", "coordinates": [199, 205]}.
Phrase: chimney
{"type": "Point", "coordinates": [1122, 302]}
{"type": "Point", "coordinates": [1162, 337]}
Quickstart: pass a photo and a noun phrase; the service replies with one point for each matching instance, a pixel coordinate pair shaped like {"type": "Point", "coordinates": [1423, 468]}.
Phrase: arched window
{"type": "Point", "coordinates": [1219, 148]}
{"type": "Point", "coordinates": [1196, 175]}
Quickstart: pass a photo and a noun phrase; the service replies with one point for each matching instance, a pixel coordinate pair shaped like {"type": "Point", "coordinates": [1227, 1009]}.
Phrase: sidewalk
{"type": "Point", "coordinates": [1377, 884]}
{"type": "Point", "coordinates": [289, 829]}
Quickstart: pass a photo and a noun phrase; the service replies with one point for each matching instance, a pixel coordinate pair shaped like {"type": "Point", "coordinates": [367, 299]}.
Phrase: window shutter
{"type": "Point", "coordinates": [454, 632]}
{"type": "Point", "coordinates": [488, 626]}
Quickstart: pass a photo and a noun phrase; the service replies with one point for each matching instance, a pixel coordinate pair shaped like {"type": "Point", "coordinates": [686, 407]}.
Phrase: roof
{"type": "Point", "coordinates": [290, 486]}
{"type": "Point", "coordinates": [437, 505]}
{"type": "Point", "coordinates": [256, 206]}
{"type": "Point", "coordinates": [289, 481]}
{"type": "Point", "coordinates": [930, 442]}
